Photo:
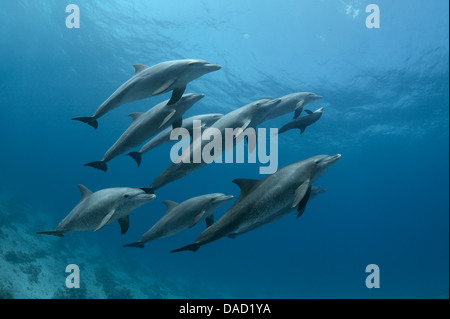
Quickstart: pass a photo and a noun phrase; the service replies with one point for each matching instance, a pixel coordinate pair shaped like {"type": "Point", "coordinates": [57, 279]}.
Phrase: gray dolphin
{"type": "Point", "coordinates": [182, 216]}
{"type": "Point", "coordinates": [302, 122]}
{"type": "Point", "coordinates": [315, 191]}
{"type": "Point", "coordinates": [294, 102]}
{"type": "Point", "coordinates": [150, 81]}
{"type": "Point", "coordinates": [96, 210]}
{"type": "Point", "coordinates": [248, 115]}
{"type": "Point", "coordinates": [287, 188]}
{"type": "Point", "coordinates": [147, 124]}
{"type": "Point", "coordinates": [164, 136]}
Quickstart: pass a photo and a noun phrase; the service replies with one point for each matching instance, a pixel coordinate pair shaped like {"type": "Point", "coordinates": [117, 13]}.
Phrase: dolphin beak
{"type": "Point", "coordinates": [198, 97]}
{"type": "Point", "coordinates": [213, 67]}
{"type": "Point", "coordinates": [225, 198]}
{"type": "Point", "coordinates": [319, 110]}
{"type": "Point", "coordinates": [318, 97]}
{"type": "Point", "coordinates": [145, 197]}
{"type": "Point", "coordinates": [335, 158]}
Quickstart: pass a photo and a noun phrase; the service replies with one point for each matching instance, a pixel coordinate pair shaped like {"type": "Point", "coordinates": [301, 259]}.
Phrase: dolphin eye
{"type": "Point", "coordinates": [126, 196]}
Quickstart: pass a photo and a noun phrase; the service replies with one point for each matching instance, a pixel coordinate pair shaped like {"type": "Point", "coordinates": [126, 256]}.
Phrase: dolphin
{"type": "Point", "coordinates": [287, 188]}
{"type": "Point", "coordinates": [302, 122]}
{"type": "Point", "coordinates": [147, 124]}
{"type": "Point", "coordinates": [96, 210]}
{"type": "Point", "coordinates": [293, 102]}
{"type": "Point", "coordinates": [315, 191]}
{"type": "Point", "coordinates": [164, 136]}
{"type": "Point", "coordinates": [150, 81]}
{"type": "Point", "coordinates": [182, 216]}
{"type": "Point", "coordinates": [246, 116]}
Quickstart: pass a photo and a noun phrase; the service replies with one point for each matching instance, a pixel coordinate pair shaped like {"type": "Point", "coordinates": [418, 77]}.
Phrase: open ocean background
{"type": "Point", "coordinates": [386, 110]}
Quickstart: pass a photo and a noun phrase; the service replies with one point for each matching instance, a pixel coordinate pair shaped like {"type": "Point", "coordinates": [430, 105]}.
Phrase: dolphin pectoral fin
{"type": "Point", "coordinates": [176, 95]}
{"type": "Point", "coordinates": [105, 220]}
{"type": "Point", "coordinates": [177, 123]}
{"type": "Point", "coordinates": [233, 235]}
{"type": "Point", "coordinates": [124, 223]}
{"type": "Point", "coordinates": [98, 165]}
{"type": "Point", "coordinates": [302, 129]}
{"type": "Point", "coordinates": [252, 146]}
{"type": "Point", "coordinates": [309, 112]}
{"type": "Point", "coordinates": [302, 205]}
{"type": "Point", "coordinates": [164, 86]}
{"type": "Point", "coordinates": [197, 218]}
{"type": "Point", "coordinates": [136, 156]}
{"type": "Point", "coordinates": [51, 232]}
{"type": "Point", "coordinates": [209, 220]}
{"type": "Point", "coordinates": [298, 109]}
{"type": "Point", "coordinates": [137, 244]}
{"type": "Point", "coordinates": [90, 120]}
{"type": "Point", "coordinates": [246, 124]}
{"type": "Point", "coordinates": [300, 192]}
{"type": "Point", "coordinates": [191, 247]}
{"type": "Point", "coordinates": [243, 127]}
{"type": "Point", "coordinates": [167, 118]}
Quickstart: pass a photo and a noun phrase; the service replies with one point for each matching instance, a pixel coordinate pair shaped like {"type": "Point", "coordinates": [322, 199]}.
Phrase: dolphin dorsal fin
{"type": "Point", "coordinates": [139, 68]}
{"type": "Point", "coordinates": [170, 204]}
{"type": "Point", "coordinates": [85, 192]}
{"type": "Point", "coordinates": [135, 115]}
{"type": "Point", "coordinates": [245, 184]}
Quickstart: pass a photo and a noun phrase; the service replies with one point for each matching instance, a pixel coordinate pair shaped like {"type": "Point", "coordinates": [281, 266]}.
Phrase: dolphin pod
{"type": "Point", "coordinates": [288, 188]}
{"type": "Point", "coordinates": [150, 81]}
{"type": "Point", "coordinates": [249, 115]}
{"type": "Point", "coordinates": [261, 202]}
{"type": "Point", "coordinates": [147, 124]}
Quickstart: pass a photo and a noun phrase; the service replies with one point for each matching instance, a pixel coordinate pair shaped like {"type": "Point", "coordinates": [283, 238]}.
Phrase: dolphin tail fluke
{"type": "Point", "coordinates": [52, 233]}
{"type": "Point", "coordinates": [136, 156]}
{"type": "Point", "coordinates": [98, 165]}
{"type": "Point", "coordinates": [137, 244]}
{"type": "Point", "coordinates": [148, 190]}
{"type": "Point", "coordinates": [191, 247]}
{"type": "Point", "coordinates": [90, 120]}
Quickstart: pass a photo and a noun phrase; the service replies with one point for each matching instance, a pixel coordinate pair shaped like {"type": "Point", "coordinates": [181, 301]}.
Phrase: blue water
{"type": "Point", "coordinates": [386, 111]}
